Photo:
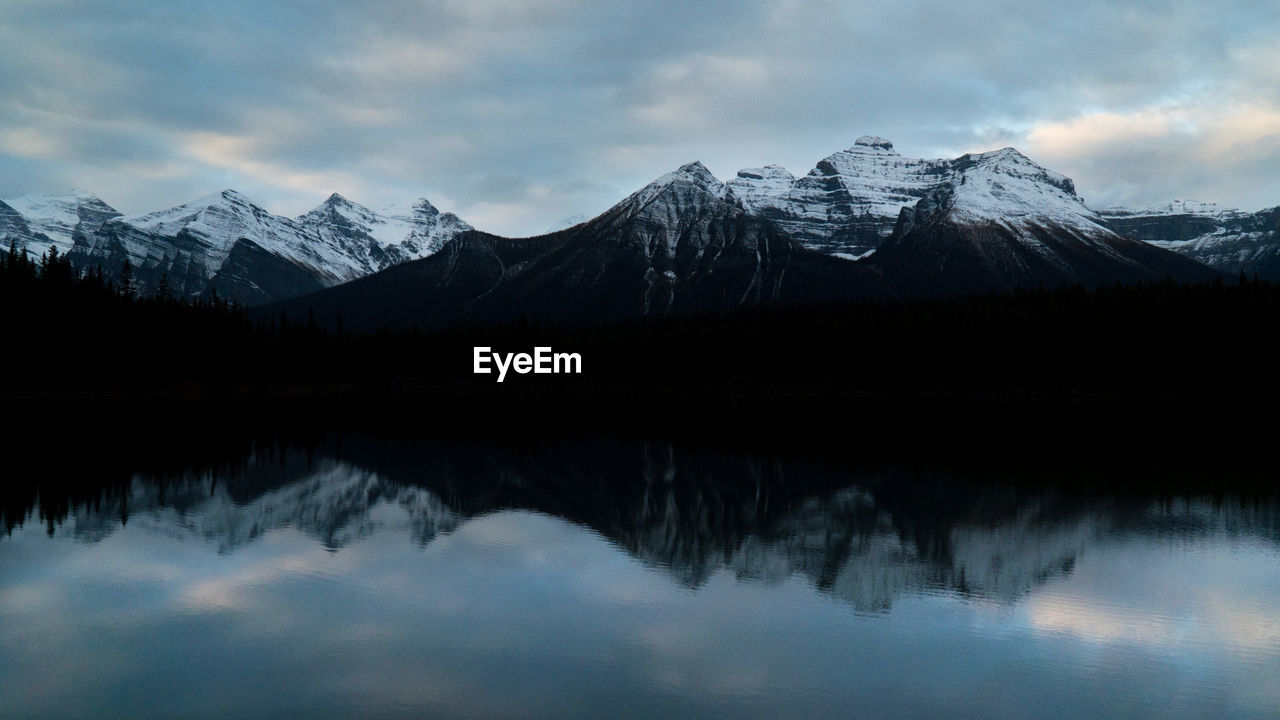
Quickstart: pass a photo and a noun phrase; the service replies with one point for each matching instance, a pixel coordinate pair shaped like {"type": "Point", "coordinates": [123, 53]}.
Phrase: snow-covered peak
{"type": "Point", "coordinates": [691, 186]}
{"type": "Point", "coordinates": [1006, 188]}
{"type": "Point", "coordinates": [337, 241]}
{"type": "Point", "coordinates": [1009, 162]}
{"type": "Point", "coordinates": [696, 173]}
{"type": "Point", "coordinates": [398, 232]}
{"type": "Point", "coordinates": [337, 200]}
{"type": "Point", "coordinates": [228, 195]}
{"type": "Point", "coordinates": [49, 205]}
{"type": "Point", "coordinates": [566, 223]}
{"type": "Point", "coordinates": [768, 172]}
{"type": "Point", "coordinates": [429, 230]}
{"type": "Point", "coordinates": [226, 210]}
{"type": "Point", "coordinates": [871, 143]}
{"type": "Point", "coordinates": [349, 217]}
{"type": "Point", "coordinates": [61, 217]}
{"type": "Point", "coordinates": [762, 187]}
{"type": "Point", "coordinates": [420, 208]}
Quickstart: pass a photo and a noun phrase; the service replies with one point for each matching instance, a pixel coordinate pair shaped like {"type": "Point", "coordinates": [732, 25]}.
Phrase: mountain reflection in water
{"type": "Point", "coordinates": [370, 576]}
{"type": "Point", "coordinates": [866, 536]}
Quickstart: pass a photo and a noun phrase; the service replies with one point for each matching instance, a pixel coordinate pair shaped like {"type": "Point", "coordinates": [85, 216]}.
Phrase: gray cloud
{"type": "Point", "coordinates": [517, 114]}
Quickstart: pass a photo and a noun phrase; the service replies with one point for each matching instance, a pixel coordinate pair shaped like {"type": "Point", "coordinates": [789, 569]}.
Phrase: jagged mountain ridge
{"type": "Point", "coordinates": [686, 243]}
{"type": "Point", "coordinates": [1000, 222]}
{"type": "Point", "coordinates": [848, 203]}
{"type": "Point", "coordinates": [398, 234]}
{"type": "Point", "coordinates": [1226, 239]}
{"type": "Point", "coordinates": [680, 245]}
{"type": "Point", "coordinates": [228, 243]}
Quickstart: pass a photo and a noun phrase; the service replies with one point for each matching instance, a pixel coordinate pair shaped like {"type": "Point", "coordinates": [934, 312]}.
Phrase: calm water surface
{"type": "Point", "coordinates": [610, 579]}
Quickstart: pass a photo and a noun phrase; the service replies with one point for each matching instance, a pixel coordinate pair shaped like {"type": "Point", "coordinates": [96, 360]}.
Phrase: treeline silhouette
{"type": "Point", "coordinates": [71, 331]}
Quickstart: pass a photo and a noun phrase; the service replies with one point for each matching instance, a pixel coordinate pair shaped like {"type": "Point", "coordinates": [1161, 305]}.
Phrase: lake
{"type": "Point", "coordinates": [592, 576]}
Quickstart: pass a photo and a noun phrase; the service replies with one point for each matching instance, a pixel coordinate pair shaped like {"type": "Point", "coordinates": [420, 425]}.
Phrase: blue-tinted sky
{"type": "Point", "coordinates": [517, 114]}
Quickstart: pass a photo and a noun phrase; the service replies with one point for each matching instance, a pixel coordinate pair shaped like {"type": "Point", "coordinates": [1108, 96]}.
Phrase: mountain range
{"type": "Point", "coordinates": [688, 243]}
{"type": "Point", "coordinates": [227, 243]}
{"type": "Point", "coordinates": [865, 222]}
{"type": "Point", "coordinates": [679, 245]}
{"type": "Point", "coordinates": [1223, 238]}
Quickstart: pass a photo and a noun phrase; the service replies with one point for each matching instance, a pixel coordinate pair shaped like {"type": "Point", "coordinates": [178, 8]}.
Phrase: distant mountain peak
{"type": "Point", "coordinates": [420, 208]}
{"type": "Point", "coordinates": [766, 172]}
{"type": "Point", "coordinates": [57, 220]}
{"type": "Point", "coordinates": [695, 166]}
{"type": "Point", "coordinates": [566, 223]}
{"type": "Point", "coordinates": [1004, 158]}
{"type": "Point", "coordinates": [693, 172]}
{"type": "Point", "coordinates": [226, 241]}
{"type": "Point", "coordinates": [1009, 162]}
{"type": "Point", "coordinates": [873, 142]}
{"type": "Point", "coordinates": [687, 187]}
{"type": "Point", "coordinates": [73, 195]}
{"type": "Point", "coordinates": [423, 206]}
{"type": "Point", "coordinates": [1178, 207]}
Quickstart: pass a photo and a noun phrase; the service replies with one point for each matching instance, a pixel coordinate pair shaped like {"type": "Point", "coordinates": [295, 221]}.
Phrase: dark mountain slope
{"type": "Point", "coordinates": [681, 245]}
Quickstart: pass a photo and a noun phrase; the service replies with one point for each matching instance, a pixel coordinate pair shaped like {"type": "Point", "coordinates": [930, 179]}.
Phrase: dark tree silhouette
{"type": "Point", "coordinates": [127, 283]}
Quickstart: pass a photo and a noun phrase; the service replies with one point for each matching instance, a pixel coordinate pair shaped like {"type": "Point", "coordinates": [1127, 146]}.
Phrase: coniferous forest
{"type": "Point", "coordinates": [1161, 357]}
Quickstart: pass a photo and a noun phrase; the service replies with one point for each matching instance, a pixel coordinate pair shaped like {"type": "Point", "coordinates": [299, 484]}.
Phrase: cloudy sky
{"type": "Point", "coordinates": [517, 114]}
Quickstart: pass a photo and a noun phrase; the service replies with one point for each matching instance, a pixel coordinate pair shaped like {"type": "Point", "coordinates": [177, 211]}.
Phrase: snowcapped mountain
{"type": "Point", "coordinates": [566, 223]}
{"type": "Point", "coordinates": [1224, 238]}
{"type": "Point", "coordinates": [362, 233]}
{"type": "Point", "coordinates": [56, 220]}
{"type": "Point", "coordinates": [681, 244]}
{"type": "Point", "coordinates": [373, 240]}
{"type": "Point", "coordinates": [1001, 221]}
{"type": "Point", "coordinates": [225, 241]}
{"type": "Point", "coordinates": [848, 203]}
{"type": "Point", "coordinates": [992, 220]}
{"type": "Point", "coordinates": [688, 243]}
{"type": "Point", "coordinates": [429, 229]}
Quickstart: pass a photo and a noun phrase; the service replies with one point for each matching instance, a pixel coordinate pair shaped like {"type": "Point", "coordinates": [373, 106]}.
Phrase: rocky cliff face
{"type": "Point", "coordinates": [1226, 239]}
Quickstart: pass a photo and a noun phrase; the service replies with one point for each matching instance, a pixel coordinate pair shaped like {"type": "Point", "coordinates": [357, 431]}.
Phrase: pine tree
{"type": "Point", "coordinates": [126, 279]}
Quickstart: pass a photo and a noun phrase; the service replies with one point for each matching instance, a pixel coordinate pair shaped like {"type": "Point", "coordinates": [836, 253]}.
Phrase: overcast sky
{"type": "Point", "coordinates": [517, 114]}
